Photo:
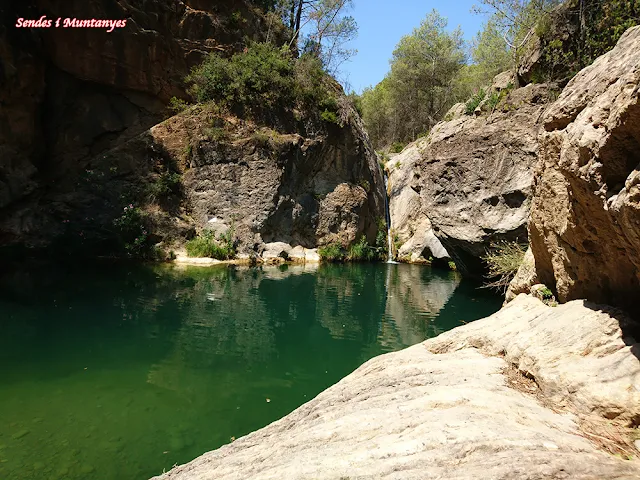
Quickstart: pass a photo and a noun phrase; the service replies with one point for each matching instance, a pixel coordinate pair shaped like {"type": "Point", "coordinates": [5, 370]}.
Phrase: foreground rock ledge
{"type": "Point", "coordinates": [515, 395]}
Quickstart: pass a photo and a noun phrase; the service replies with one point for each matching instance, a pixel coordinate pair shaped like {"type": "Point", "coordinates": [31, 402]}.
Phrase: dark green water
{"type": "Point", "coordinates": [114, 373]}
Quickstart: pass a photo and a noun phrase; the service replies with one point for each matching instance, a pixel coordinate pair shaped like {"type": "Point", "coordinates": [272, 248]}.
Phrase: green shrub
{"type": "Point", "coordinates": [474, 101]}
{"type": "Point", "coordinates": [188, 150]}
{"type": "Point", "coordinates": [217, 134]}
{"type": "Point", "coordinates": [397, 147]}
{"type": "Point", "coordinates": [236, 19]}
{"type": "Point", "coordinates": [332, 252]}
{"type": "Point", "coordinates": [503, 260]}
{"type": "Point", "coordinates": [361, 251]}
{"type": "Point", "coordinates": [206, 245]}
{"type": "Point", "coordinates": [262, 78]}
{"type": "Point", "coordinates": [165, 185]}
{"type": "Point", "coordinates": [397, 243]}
{"type": "Point", "coordinates": [591, 30]}
{"type": "Point", "coordinates": [132, 233]}
{"type": "Point", "coordinates": [310, 84]}
{"type": "Point", "coordinates": [177, 105]}
{"type": "Point", "coordinates": [382, 246]}
{"type": "Point", "coordinates": [329, 116]}
{"type": "Point", "coordinates": [494, 100]}
{"type": "Point", "coordinates": [261, 138]}
{"type": "Point", "coordinates": [262, 75]}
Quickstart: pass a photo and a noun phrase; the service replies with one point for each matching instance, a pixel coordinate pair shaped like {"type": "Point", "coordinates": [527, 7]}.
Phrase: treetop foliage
{"type": "Point", "coordinates": [268, 78]}
{"type": "Point", "coordinates": [432, 68]}
{"type": "Point", "coordinates": [267, 83]}
{"type": "Point", "coordinates": [421, 85]}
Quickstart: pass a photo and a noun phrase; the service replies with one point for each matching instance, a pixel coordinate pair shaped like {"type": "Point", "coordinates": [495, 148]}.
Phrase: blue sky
{"type": "Point", "coordinates": [383, 22]}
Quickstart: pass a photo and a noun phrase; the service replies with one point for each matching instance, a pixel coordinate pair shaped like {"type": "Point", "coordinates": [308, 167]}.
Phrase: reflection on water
{"type": "Point", "coordinates": [117, 373]}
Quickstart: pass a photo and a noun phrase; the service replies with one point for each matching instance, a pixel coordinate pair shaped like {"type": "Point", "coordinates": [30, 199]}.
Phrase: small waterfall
{"type": "Point", "coordinates": [388, 218]}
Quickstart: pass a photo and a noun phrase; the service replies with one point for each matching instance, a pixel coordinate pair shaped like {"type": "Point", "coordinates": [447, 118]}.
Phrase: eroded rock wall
{"type": "Point", "coordinates": [70, 93]}
{"type": "Point", "coordinates": [410, 223]}
{"type": "Point", "coordinates": [585, 221]}
{"type": "Point", "coordinates": [77, 143]}
{"type": "Point", "coordinates": [474, 175]}
{"type": "Point", "coordinates": [268, 186]}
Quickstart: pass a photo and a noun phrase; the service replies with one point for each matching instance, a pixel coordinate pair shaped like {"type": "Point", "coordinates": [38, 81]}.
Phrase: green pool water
{"type": "Point", "coordinates": [115, 372]}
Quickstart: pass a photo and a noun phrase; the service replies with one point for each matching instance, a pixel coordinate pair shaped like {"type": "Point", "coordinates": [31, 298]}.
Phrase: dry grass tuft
{"type": "Point", "coordinates": [503, 260]}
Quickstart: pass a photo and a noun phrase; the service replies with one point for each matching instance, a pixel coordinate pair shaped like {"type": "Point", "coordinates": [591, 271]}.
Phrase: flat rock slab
{"type": "Point", "coordinates": [447, 409]}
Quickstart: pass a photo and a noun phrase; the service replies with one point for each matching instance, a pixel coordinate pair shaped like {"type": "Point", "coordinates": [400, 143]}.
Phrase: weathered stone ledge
{"type": "Point", "coordinates": [531, 392]}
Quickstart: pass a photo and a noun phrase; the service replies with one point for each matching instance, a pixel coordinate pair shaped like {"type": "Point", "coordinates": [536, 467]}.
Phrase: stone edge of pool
{"type": "Point", "coordinates": [530, 392]}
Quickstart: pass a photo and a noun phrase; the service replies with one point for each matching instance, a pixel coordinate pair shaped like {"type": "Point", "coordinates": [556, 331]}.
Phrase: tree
{"type": "Point", "coordinates": [489, 51]}
{"type": "Point", "coordinates": [377, 113]}
{"type": "Point", "coordinates": [515, 20]}
{"type": "Point", "coordinates": [423, 70]}
{"type": "Point", "coordinates": [421, 85]}
{"type": "Point", "coordinates": [329, 29]}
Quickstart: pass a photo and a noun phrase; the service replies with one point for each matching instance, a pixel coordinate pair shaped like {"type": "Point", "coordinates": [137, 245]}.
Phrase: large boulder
{"type": "Point", "coordinates": [531, 392]}
{"type": "Point", "coordinates": [585, 221]}
{"type": "Point", "coordinates": [474, 175]}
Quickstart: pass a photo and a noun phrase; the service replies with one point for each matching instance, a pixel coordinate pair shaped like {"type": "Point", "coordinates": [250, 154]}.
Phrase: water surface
{"type": "Point", "coordinates": [119, 373]}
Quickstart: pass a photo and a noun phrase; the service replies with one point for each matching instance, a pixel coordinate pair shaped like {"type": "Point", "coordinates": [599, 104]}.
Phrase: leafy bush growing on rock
{"type": "Point", "coordinates": [132, 233]}
{"type": "Point", "coordinates": [206, 245]}
{"type": "Point", "coordinates": [397, 147]}
{"type": "Point", "coordinates": [165, 185]}
{"type": "Point", "coordinates": [177, 105]}
{"type": "Point", "coordinates": [475, 101]}
{"type": "Point", "coordinates": [503, 260]}
{"type": "Point", "coordinates": [329, 117]}
{"type": "Point", "coordinates": [262, 75]}
{"type": "Point", "coordinates": [262, 78]}
{"type": "Point", "coordinates": [332, 252]}
{"type": "Point", "coordinates": [381, 239]}
{"type": "Point", "coordinates": [574, 35]}
{"type": "Point", "coordinates": [361, 251]}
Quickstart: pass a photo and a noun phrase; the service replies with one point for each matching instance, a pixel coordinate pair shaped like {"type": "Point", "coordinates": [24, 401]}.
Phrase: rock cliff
{"type": "Point", "coordinates": [269, 186]}
{"type": "Point", "coordinates": [553, 393]}
{"type": "Point", "coordinates": [585, 219]}
{"type": "Point", "coordinates": [77, 143]}
{"type": "Point", "coordinates": [473, 175]}
{"type": "Point", "coordinates": [410, 223]}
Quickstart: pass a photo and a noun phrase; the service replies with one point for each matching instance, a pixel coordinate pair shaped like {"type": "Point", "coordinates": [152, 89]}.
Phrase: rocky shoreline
{"type": "Point", "coordinates": [530, 392]}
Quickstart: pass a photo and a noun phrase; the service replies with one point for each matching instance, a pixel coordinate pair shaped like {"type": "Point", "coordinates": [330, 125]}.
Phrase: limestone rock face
{"type": "Point", "coordinates": [69, 93]}
{"type": "Point", "coordinates": [77, 135]}
{"type": "Point", "coordinates": [280, 189]}
{"type": "Point", "coordinates": [585, 221]}
{"type": "Point", "coordinates": [463, 406]}
{"type": "Point", "coordinates": [474, 176]}
{"type": "Point", "coordinates": [409, 220]}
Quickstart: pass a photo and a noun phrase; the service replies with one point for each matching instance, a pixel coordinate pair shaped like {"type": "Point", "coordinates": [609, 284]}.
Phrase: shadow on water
{"type": "Point", "coordinates": [116, 372]}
